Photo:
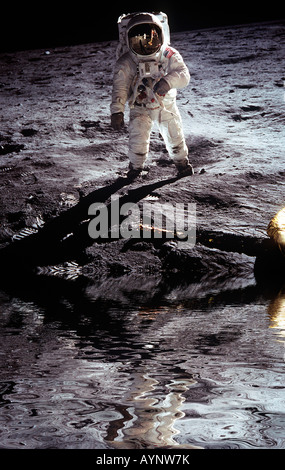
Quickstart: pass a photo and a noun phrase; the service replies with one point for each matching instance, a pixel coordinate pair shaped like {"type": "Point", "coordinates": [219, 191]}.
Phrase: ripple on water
{"type": "Point", "coordinates": [176, 374]}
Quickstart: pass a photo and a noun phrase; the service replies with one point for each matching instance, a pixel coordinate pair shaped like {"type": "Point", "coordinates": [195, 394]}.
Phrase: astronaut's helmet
{"type": "Point", "coordinates": [145, 39]}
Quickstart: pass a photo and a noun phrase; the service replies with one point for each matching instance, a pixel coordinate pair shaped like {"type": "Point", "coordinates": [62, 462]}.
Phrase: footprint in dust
{"type": "Point", "coordinates": [28, 132]}
{"type": "Point", "coordinates": [10, 148]}
{"type": "Point", "coordinates": [28, 178]}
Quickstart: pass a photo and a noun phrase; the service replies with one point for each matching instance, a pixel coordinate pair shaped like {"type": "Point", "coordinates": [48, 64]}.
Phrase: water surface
{"type": "Point", "coordinates": [139, 363]}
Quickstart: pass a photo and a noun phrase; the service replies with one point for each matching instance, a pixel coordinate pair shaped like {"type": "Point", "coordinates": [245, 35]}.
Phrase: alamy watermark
{"type": "Point", "coordinates": [145, 220]}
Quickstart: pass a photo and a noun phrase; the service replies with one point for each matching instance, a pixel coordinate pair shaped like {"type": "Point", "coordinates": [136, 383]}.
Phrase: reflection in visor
{"type": "Point", "coordinates": [145, 39]}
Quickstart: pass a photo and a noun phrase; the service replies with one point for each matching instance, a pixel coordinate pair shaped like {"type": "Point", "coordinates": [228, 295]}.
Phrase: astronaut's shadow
{"type": "Point", "coordinates": [65, 237]}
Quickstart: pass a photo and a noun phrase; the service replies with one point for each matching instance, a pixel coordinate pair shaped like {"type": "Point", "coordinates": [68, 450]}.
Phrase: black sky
{"type": "Point", "coordinates": [35, 24]}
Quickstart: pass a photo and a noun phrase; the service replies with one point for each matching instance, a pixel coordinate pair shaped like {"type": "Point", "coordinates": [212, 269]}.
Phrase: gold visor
{"type": "Point", "coordinates": [145, 39]}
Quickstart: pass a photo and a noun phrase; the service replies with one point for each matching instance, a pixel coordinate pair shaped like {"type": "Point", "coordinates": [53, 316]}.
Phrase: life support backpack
{"type": "Point", "coordinates": [123, 21]}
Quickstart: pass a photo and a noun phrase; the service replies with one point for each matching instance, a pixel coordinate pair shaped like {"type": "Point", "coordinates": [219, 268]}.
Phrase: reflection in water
{"type": "Point", "coordinates": [150, 421]}
{"type": "Point", "coordinates": [276, 310]}
{"type": "Point", "coordinates": [121, 365]}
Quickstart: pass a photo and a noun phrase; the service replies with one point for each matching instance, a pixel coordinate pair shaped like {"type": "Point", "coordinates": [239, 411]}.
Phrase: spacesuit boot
{"type": "Point", "coordinates": [133, 172]}
{"type": "Point", "coordinates": [184, 169]}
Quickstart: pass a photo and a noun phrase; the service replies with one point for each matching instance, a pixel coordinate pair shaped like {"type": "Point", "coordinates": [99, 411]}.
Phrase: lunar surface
{"type": "Point", "coordinates": [57, 143]}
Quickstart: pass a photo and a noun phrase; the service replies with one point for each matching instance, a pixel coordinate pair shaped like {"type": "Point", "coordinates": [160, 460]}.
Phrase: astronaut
{"type": "Point", "coordinates": [147, 76]}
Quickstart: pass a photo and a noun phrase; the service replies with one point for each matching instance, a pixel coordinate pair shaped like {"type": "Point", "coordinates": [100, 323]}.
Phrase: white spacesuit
{"type": "Point", "coordinates": [147, 76]}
